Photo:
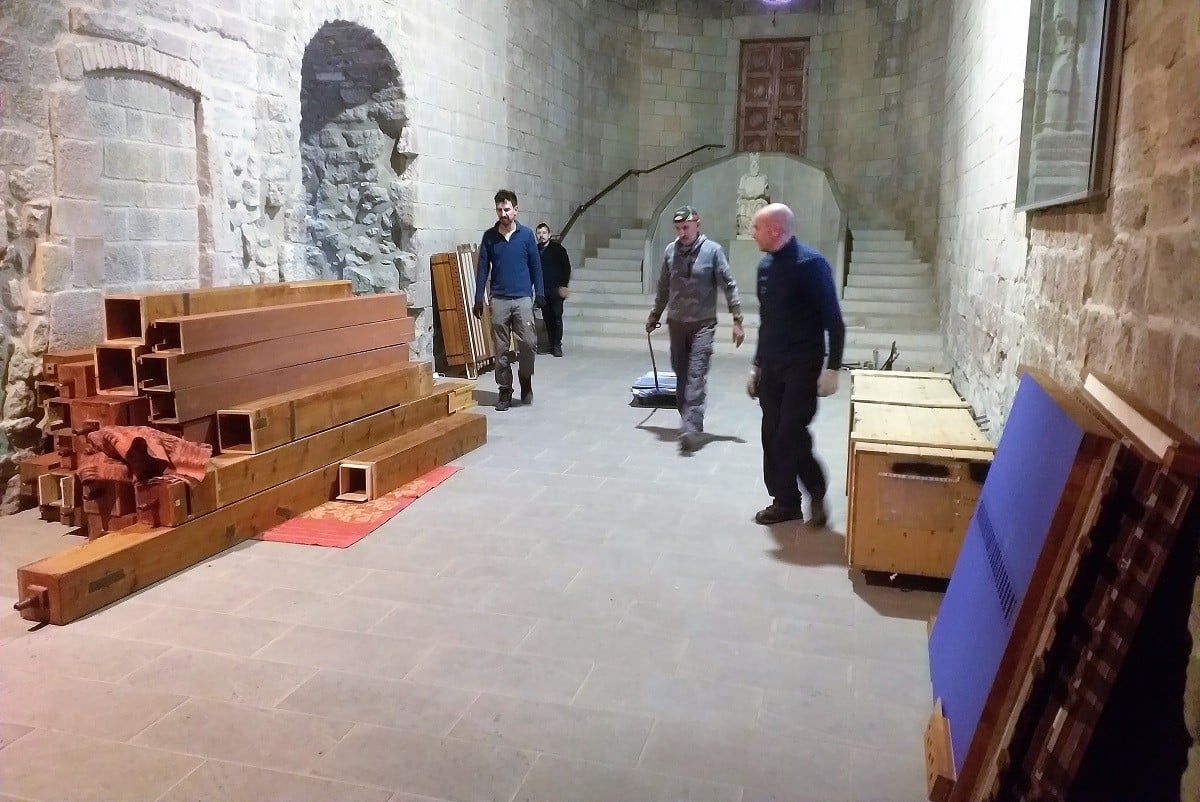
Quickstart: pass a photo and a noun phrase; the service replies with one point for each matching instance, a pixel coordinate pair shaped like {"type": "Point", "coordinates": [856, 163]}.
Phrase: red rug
{"type": "Point", "coordinates": [339, 524]}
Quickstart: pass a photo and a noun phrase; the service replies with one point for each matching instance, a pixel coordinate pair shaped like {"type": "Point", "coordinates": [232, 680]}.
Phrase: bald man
{"type": "Point", "coordinates": [798, 313]}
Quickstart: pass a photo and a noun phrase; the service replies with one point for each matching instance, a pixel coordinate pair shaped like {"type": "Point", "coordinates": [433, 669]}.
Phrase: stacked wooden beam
{"type": "Point", "coordinates": [466, 340]}
{"type": "Point", "coordinates": [287, 393]}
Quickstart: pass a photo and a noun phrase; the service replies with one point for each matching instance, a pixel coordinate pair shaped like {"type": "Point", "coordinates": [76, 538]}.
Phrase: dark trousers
{"type": "Point", "coordinates": [787, 393]}
{"type": "Point", "coordinates": [552, 314]}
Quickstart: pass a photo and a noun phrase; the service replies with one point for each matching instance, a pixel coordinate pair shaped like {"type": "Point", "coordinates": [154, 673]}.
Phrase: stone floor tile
{"type": "Point", "coordinates": [354, 652]}
{"type": "Point", "coordinates": [632, 651]}
{"type": "Point", "coordinates": [222, 677]}
{"type": "Point", "coordinates": [216, 780]}
{"type": "Point", "coordinates": [696, 621]}
{"type": "Point", "coordinates": [465, 627]}
{"type": "Point", "coordinates": [409, 557]}
{"type": "Point", "coordinates": [80, 706]}
{"type": "Point", "coordinates": [555, 780]}
{"type": "Point", "coordinates": [892, 776]}
{"type": "Point", "coordinates": [199, 590]}
{"type": "Point", "coordinates": [435, 591]}
{"type": "Point", "coordinates": [669, 698]}
{"type": "Point", "coordinates": [277, 573]}
{"type": "Point", "coordinates": [272, 739]}
{"type": "Point", "coordinates": [63, 651]}
{"type": "Point", "coordinates": [893, 682]}
{"type": "Point", "coordinates": [583, 606]}
{"type": "Point", "coordinates": [205, 631]}
{"type": "Point", "coordinates": [527, 676]}
{"type": "Point", "coordinates": [11, 732]}
{"type": "Point", "coordinates": [323, 610]}
{"type": "Point", "coordinates": [67, 768]}
{"type": "Point", "coordinates": [441, 767]}
{"type": "Point", "coordinates": [406, 706]}
{"type": "Point", "coordinates": [572, 732]}
{"type": "Point", "coordinates": [521, 573]}
{"type": "Point", "coordinates": [762, 666]}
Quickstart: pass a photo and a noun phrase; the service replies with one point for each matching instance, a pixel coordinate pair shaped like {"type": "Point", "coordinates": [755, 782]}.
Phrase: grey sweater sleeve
{"type": "Point", "coordinates": [664, 287]}
{"type": "Point", "coordinates": [726, 280]}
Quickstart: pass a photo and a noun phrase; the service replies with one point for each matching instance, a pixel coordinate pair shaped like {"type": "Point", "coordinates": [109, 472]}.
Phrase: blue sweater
{"type": "Point", "coordinates": [513, 264]}
{"type": "Point", "coordinates": [798, 306]}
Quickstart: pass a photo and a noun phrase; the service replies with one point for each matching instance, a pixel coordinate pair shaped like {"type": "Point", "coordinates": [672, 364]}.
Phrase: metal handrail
{"type": "Point", "coordinates": [583, 207]}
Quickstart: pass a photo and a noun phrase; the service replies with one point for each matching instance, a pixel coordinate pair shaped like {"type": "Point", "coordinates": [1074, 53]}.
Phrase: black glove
{"type": "Point", "coordinates": [540, 301]}
{"type": "Point", "coordinates": [477, 309]}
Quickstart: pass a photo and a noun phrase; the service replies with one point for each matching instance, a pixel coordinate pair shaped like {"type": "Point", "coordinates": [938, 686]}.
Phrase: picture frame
{"type": "Point", "coordinates": [1068, 116]}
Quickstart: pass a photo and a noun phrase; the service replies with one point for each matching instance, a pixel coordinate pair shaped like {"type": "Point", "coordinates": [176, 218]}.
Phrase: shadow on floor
{"type": "Point", "coordinates": [797, 543]}
{"type": "Point", "coordinates": [917, 599]}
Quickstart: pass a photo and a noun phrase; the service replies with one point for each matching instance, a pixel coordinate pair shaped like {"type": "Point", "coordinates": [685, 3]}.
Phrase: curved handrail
{"type": "Point", "coordinates": [669, 197]}
{"type": "Point", "coordinates": [583, 207]}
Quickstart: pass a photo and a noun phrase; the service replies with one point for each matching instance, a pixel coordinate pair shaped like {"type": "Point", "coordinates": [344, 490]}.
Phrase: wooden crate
{"type": "Point", "coordinates": [910, 505]}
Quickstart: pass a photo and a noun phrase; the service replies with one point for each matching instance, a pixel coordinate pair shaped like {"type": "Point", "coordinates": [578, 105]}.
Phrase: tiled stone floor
{"type": "Point", "coordinates": [579, 614]}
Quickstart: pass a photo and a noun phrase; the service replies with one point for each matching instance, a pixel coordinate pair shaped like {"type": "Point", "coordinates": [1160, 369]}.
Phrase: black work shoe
{"type": "Point", "coordinates": [557, 351]}
{"type": "Point", "coordinates": [820, 514]}
{"type": "Point", "coordinates": [527, 394]}
{"type": "Point", "coordinates": [776, 514]}
{"type": "Point", "coordinates": [505, 401]}
{"type": "Point", "coordinates": [689, 442]}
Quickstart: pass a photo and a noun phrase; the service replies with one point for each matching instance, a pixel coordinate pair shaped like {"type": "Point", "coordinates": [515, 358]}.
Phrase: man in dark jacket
{"type": "Point", "coordinates": [556, 278]}
{"type": "Point", "coordinates": [509, 264]}
{"type": "Point", "coordinates": [798, 311]}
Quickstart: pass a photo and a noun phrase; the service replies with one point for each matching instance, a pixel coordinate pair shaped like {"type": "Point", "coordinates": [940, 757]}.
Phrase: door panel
{"type": "Point", "coordinates": [773, 96]}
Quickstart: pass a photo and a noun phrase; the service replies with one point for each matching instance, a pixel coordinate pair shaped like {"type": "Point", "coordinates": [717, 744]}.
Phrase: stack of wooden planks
{"type": "Point", "coordinates": [292, 395]}
{"type": "Point", "coordinates": [467, 340]}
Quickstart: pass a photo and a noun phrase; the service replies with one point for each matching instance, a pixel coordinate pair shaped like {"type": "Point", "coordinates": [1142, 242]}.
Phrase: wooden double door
{"type": "Point", "coordinates": [773, 96]}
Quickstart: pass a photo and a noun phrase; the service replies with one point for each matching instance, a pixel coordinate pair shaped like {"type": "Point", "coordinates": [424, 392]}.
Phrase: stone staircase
{"type": "Point", "coordinates": [889, 296]}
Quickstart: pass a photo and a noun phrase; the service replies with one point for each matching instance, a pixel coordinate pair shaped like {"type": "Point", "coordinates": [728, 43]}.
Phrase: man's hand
{"type": "Point", "coordinates": [752, 383]}
{"type": "Point", "coordinates": [477, 309]}
{"type": "Point", "coordinates": [827, 383]}
{"type": "Point", "coordinates": [651, 324]}
{"type": "Point", "coordinates": [564, 293]}
{"type": "Point", "coordinates": [539, 301]}
{"type": "Point", "coordinates": [739, 334]}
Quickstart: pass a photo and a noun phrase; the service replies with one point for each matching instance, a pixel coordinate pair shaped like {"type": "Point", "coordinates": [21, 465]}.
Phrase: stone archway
{"type": "Point", "coordinates": [352, 111]}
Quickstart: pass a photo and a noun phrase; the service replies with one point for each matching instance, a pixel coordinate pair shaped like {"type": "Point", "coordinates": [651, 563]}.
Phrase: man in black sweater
{"type": "Point", "coordinates": [556, 277]}
{"type": "Point", "coordinates": [798, 309]}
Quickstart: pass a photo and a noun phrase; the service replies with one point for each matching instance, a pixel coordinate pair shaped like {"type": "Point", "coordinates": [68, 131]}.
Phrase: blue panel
{"type": "Point", "coordinates": [1004, 538]}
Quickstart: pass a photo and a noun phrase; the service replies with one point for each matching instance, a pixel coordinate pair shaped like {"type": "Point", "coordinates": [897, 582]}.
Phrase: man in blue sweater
{"type": "Point", "coordinates": [798, 310]}
{"type": "Point", "coordinates": [509, 264]}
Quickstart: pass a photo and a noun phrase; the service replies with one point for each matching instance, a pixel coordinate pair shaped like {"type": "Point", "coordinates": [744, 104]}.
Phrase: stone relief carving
{"type": "Point", "coordinates": [752, 196]}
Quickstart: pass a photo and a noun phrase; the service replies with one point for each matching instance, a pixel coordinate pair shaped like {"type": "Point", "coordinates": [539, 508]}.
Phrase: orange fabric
{"type": "Point", "coordinates": [140, 453]}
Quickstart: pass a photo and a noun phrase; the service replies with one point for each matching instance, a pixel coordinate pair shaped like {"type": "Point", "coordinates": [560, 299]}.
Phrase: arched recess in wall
{"type": "Point", "coordinates": [145, 161]}
{"type": "Point", "coordinates": [352, 118]}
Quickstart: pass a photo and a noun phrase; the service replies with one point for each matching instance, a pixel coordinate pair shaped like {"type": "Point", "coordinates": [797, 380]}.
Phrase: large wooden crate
{"type": "Point", "coordinates": [466, 341]}
{"type": "Point", "coordinates": [910, 506]}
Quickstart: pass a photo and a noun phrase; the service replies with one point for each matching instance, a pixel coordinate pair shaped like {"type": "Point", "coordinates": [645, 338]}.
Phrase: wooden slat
{"type": "Point", "coordinates": [905, 391]}
{"type": "Point", "coordinates": [203, 400]}
{"type": "Point", "coordinates": [917, 426]}
{"type": "Point", "coordinates": [899, 374]}
{"type": "Point", "coordinates": [246, 475]}
{"type": "Point", "coordinates": [116, 368]}
{"type": "Point", "coordinates": [167, 371]}
{"type": "Point", "coordinates": [270, 422]}
{"type": "Point", "coordinates": [108, 410]}
{"type": "Point", "coordinates": [77, 379]}
{"type": "Point", "coordinates": [389, 465]}
{"type": "Point", "coordinates": [217, 330]}
{"type": "Point", "coordinates": [31, 468]}
{"type": "Point", "coordinates": [129, 316]}
{"type": "Point", "coordinates": [52, 359]}
{"type": "Point", "coordinates": [939, 757]}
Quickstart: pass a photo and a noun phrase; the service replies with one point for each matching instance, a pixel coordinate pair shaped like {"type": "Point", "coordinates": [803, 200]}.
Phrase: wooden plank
{"type": "Point", "coordinates": [52, 359]}
{"type": "Point", "coordinates": [81, 580]}
{"type": "Point", "coordinates": [939, 757]}
{"type": "Point", "coordinates": [31, 468]}
{"type": "Point", "coordinates": [77, 379]}
{"type": "Point", "coordinates": [218, 330]}
{"type": "Point", "coordinates": [906, 392]}
{"type": "Point", "coordinates": [163, 370]}
{"type": "Point", "coordinates": [270, 422]}
{"type": "Point", "coordinates": [198, 430]}
{"type": "Point", "coordinates": [389, 465]}
{"type": "Point", "coordinates": [1154, 436]}
{"type": "Point", "coordinates": [193, 402]}
{"type": "Point", "coordinates": [918, 426]}
{"type": "Point", "coordinates": [129, 316]}
{"type": "Point", "coordinates": [463, 396]}
{"type": "Point", "coordinates": [899, 374]}
{"type": "Point", "coordinates": [250, 474]}
{"type": "Point", "coordinates": [91, 413]}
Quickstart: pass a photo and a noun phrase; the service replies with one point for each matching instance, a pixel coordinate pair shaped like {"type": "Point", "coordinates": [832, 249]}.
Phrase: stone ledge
{"type": "Point", "coordinates": [134, 58]}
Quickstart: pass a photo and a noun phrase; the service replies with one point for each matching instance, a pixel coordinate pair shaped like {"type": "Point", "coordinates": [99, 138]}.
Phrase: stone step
{"type": "Point", "coordinates": [861, 255]}
{"type": "Point", "coordinates": [606, 276]}
{"type": "Point", "coordinates": [636, 315]}
{"type": "Point", "coordinates": [592, 285]}
{"type": "Point", "coordinates": [638, 234]}
{"type": "Point", "coordinates": [622, 254]}
{"type": "Point", "coordinates": [893, 322]}
{"type": "Point", "coordinates": [612, 266]}
{"type": "Point", "coordinates": [908, 359]}
{"type": "Point", "coordinates": [627, 245]}
{"type": "Point", "coordinates": [862, 308]}
{"type": "Point", "coordinates": [882, 246]}
{"type": "Point", "coordinates": [890, 269]}
{"type": "Point", "coordinates": [861, 280]}
{"type": "Point", "coordinates": [639, 300]}
{"type": "Point", "coordinates": [902, 294]}
{"type": "Point", "coordinates": [876, 234]}
{"type": "Point", "coordinates": [875, 338]}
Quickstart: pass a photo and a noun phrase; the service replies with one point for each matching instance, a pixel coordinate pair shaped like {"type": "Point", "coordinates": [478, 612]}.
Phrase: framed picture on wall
{"type": "Point", "coordinates": [1072, 82]}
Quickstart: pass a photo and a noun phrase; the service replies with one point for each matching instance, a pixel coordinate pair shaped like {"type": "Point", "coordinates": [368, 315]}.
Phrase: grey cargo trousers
{"type": "Point", "coordinates": [691, 354]}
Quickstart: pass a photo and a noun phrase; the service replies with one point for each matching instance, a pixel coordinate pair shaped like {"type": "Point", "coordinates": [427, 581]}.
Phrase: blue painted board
{"type": "Point", "coordinates": [1023, 489]}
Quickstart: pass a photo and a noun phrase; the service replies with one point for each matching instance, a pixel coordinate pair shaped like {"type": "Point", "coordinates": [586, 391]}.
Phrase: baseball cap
{"type": "Point", "coordinates": [684, 213]}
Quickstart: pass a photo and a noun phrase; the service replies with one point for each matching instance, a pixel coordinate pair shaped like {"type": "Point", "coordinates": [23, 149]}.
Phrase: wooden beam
{"type": "Point", "coordinates": [128, 317]}
{"type": "Point", "coordinates": [170, 406]}
{"type": "Point", "coordinates": [217, 330]}
{"type": "Point", "coordinates": [383, 468]}
{"type": "Point", "coordinates": [241, 477]}
{"type": "Point", "coordinates": [116, 368]}
{"type": "Point", "coordinates": [88, 577]}
{"type": "Point", "coordinates": [259, 425]}
{"type": "Point", "coordinates": [91, 413]}
{"type": "Point", "coordinates": [52, 359]}
{"type": "Point", "coordinates": [77, 379]}
{"type": "Point", "coordinates": [164, 370]}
